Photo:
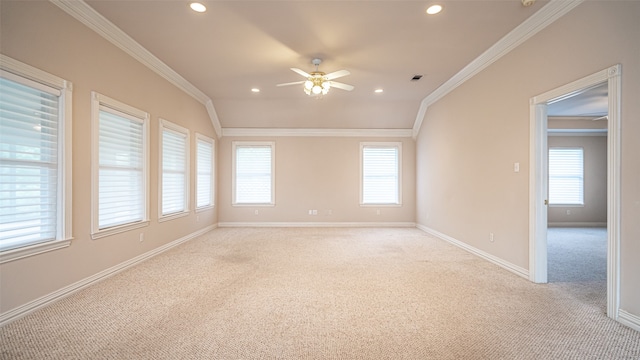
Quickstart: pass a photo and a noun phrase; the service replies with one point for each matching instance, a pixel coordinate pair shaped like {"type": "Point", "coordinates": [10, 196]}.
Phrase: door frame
{"type": "Point", "coordinates": [538, 179]}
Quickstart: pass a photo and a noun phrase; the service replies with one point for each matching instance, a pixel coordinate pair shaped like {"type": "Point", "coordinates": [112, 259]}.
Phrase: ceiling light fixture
{"type": "Point", "coordinates": [255, 90]}
{"type": "Point", "coordinates": [317, 83]}
{"type": "Point", "coordinates": [379, 91]}
{"type": "Point", "coordinates": [198, 7]}
{"type": "Point", "coordinates": [434, 9]}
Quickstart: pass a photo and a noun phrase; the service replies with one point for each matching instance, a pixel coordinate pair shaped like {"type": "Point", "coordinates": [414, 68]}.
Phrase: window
{"type": "Point", "coordinates": [35, 161]}
{"type": "Point", "coordinates": [253, 173]}
{"type": "Point", "coordinates": [380, 169]}
{"type": "Point", "coordinates": [566, 176]}
{"type": "Point", "coordinates": [120, 167]}
{"type": "Point", "coordinates": [174, 162]}
{"type": "Point", "coordinates": [204, 172]}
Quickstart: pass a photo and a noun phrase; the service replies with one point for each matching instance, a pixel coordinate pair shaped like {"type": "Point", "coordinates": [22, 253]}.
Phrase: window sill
{"type": "Point", "coordinates": [253, 205]}
{"type": "Point", "coordinates": [566, 205]}
{"type": "Point", "coordinates": [32, 250]}
{"type": "Point", "coordinates": [381, 205]}
{"type": "Point", "coordinates": [204, 208]}
{"type": "Point", "coordinates": [118, 229]}
{"type": "Point", "coordinates": [172, 216]}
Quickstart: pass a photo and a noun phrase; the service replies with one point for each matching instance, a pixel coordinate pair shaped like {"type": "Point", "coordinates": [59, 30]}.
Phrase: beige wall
{"type": "Point", "coordinates": [594, 210]}
{"type": "Point", "coordinates": [470, 139]}
{"type": "Point", "coordinates": [317, 173]}
{"type": "Point", "coordinates": [39, 34]}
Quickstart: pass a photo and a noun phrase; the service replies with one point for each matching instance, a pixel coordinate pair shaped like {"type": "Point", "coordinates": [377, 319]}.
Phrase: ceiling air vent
{"type": "Point", "coordinates": [416, 77]}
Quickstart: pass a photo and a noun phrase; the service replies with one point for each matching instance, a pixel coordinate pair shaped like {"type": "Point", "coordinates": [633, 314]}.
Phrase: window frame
{"type": "Point", "coordinates": [212, 197]}
{"type": "Point", "coordinates": [166, 125]}
{"type": "Point", "coordinates": [234, 147]}
{"type": "Point", "coordinates": [98, 100]}
{"type": "Point", "coordinates": [28, 75]}
{"type": "Point", "coordinates": [386, 144]}
{"type": "Point", "coordinates": [582, 183]}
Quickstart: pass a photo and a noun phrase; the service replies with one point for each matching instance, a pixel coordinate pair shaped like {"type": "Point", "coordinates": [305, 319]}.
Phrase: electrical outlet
{"type": "Point", "coordinates": [377, 211]}
{"type": "Point", "coordinates": [255, 212]}
{"type": "Point", "coordinates": [568, 212]}
{"type": "Point", "coordinates": [491, 237]}
{"type": "Point", "coordinates": [315, 212]}
{"type": "Point", "coordinates": [310, 212]}
{"type": "Point", "coordinates": [141, 237]}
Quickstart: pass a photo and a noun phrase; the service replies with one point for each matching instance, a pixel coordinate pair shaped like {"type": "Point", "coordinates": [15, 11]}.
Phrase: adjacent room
{"type": "Point", "coordinates": [319, 179]}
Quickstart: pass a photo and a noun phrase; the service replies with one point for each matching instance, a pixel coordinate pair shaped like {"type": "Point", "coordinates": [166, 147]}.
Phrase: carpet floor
{"type": "Point", "coordinates": [319, 293]}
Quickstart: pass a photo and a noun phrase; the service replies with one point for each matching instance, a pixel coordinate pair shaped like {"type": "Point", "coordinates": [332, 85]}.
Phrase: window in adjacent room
{"type": "Point", "coordinates": [174, 164]}
{"type": "Point", "coordinates": [253, 173]}
{"type": "Point", "coordinates": [204, 172]}
{"type": "Point", "coordinates": [380, 173]}
{"type": "Point", "coordinates": [566, 176]}
{"type": "Point", "coordinates": [120, 167]}
{"type": "Point", "coordinates": [35, 161]}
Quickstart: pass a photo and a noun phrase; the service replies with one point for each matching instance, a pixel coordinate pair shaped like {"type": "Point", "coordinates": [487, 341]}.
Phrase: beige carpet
{"type": "Point", "coordinates": [319, 294]}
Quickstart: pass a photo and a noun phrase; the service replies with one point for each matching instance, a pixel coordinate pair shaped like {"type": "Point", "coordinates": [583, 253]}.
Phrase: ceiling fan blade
{"type": "Point", "coordinates": [339, 85]}
{"type": "Point", "coordinates": [291, 83]}
{"type": "Point", "coordinates": [301, 72]}
{"type": "Point", "coordinates": [337, 74]}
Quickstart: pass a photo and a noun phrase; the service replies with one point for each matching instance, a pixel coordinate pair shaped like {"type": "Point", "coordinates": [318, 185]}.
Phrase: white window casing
{"type": "Point", "coordinates": [205, 172]}
{"type": "Point", "coordinates": [35, 161]}
{"type": "Point", "coordinates": [380, 173]}
{"type": "Point", "coordinates": [119, 167]}
{"type": "Point", "coordinates": [174, 171]}
{"type": "Point", "coordinates": [253, 173]}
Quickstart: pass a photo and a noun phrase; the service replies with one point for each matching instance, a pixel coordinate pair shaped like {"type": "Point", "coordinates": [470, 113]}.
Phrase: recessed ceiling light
{"type": "Point", "coordinates": [379, 91]}
{"type": "Point", "coordinates": [255, 90]}
{"type": "Point", "coordinates": [434, 9]}
{"type": "Point", "coordinates": [196, 6]}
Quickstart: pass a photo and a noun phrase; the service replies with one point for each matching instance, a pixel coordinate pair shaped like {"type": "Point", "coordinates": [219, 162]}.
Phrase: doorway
{"type": "Point", "coordinates": [538, 193]}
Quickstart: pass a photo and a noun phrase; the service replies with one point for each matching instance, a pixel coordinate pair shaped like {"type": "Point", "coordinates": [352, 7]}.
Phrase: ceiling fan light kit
{"type": "Point", "coordinates": [319, 83]}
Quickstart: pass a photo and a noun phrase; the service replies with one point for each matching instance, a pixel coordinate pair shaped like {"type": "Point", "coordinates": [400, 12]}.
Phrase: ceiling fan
{"type": "Point", "coordinates": [319, 83]}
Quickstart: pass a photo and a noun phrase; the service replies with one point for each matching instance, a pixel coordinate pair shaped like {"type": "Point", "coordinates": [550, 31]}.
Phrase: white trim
{"type": "Point", "coordinates": [234, 145]}
{"type": "Point", "coordinates": [384, 144]}
{"type": "Point", "coordinates": [628, 319]}
{"type": "Point", "coordinates": [266, 132]}
{"type": "Point", "coordinates": [486, 256]}
{"type": "Point", "coordinates": [64, 231]}
{"type": "Point", "coordinates": [317, 224]}
{"type": "Point", "coordinates": [16, 313]}
{"type": "Point", "coordinates": [168, 125]}
{"type": "Point", "coordinates": [577, 224]}
{"type": "Point", "coordinates": [84, 13]}
{"type": "Point", "coordinates": [537, 180]}
{"type": "Point", "coordinates": [577, 132]}
{"type": "Point", "coordinates": [212, 142]}
{"type": "Point", "coordinates": [534, 24]}
{"type": "Point", "coordinates": [213, 115]}
{"type": "Point", "coordinates": [31, 250]}
{"type": "Point", "coordinates": [32, 73]}
{"type": "Point", "coordinates": [98, 101]}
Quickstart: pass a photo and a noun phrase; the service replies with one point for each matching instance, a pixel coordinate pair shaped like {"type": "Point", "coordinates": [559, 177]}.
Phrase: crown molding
{"type": "Point", "coordinates": [271, 132]}
{"type": "Point", "coordinates": [84, 13]}
{"type": "Point", "coordinates": [534, 24]}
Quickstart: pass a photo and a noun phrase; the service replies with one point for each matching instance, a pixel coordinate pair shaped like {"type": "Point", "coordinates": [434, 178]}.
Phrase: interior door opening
{"type": "Point", "coordinates": [541, 106]}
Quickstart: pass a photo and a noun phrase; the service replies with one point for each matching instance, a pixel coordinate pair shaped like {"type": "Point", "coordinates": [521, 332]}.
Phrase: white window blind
{"type": "Point", "coordinates": [380, 174]}
{"type": "Point", "coordinates": [566, 176]}
{"type": "Point", "coordinates": [174, 171]}
{"type": "Point", "coordinates": [29, 163]}
{"type": "Point", "coordinates": [204, 164]}
{"type": "Point", "coordinates": [121, 183]}
{"type": "Point", "coordinates": [253, 174]}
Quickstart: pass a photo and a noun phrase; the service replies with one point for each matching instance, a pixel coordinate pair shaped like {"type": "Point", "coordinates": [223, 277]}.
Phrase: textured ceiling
{"type": "Point", "coordinates": [238, 45]}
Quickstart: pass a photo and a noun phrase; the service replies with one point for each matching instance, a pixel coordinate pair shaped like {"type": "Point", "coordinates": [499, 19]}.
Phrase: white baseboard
{"type": "Point", "coordinates": [317, 224]}
{"type": "Point", "coordinates": [577, 224]}
{"type": "Point", "coordinates": [43, 301]}
{"type": "Point", "coordinates": [628, 319]}
{"type": "Point", "coordinates": [496, 260]}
